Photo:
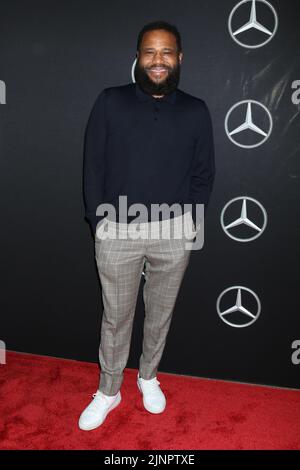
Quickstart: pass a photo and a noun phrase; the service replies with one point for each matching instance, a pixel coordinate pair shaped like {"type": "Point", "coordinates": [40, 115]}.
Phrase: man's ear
{"type": "Point", "coordinates": [180, 57]}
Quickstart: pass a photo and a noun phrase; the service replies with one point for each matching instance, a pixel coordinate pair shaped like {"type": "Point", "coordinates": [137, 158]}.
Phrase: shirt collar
{"type": "Point", "coordinates": [170, 97]}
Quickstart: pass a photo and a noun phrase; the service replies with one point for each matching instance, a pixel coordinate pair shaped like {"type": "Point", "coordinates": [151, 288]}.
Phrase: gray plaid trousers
{"type": "Point", "coordinates": [120, 264]}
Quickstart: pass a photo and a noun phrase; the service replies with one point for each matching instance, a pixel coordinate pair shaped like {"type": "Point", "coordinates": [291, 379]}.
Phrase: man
{"type": "Point", "coordinates": [153, 143]}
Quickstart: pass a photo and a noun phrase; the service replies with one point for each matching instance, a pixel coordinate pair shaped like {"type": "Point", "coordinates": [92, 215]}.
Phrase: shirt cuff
{"type": "Point", "coordinates": [94, 221]}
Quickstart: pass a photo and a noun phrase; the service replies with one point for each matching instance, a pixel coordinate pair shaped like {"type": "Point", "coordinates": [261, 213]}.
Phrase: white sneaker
{"type": "Point", "coordinates": [154, 399]}
{"type": "Point", "coordinates": [96, 412]}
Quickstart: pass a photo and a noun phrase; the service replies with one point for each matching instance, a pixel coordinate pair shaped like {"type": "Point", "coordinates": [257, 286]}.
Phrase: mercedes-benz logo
{"type": "Point", "coordinates": [231, 305]}
{"type": "Point", "coordinates": [270, 18]}
{"type": "Point", "coordinates": [239, 218]}
{"type": "Point", "coordinates": [248, 129]}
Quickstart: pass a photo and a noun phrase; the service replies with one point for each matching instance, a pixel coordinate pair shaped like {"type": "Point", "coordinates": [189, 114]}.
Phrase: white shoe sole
{"type": "Point", "coordinates": [150, 411]}
{"type": "Point", "coordinates": [90, 428]}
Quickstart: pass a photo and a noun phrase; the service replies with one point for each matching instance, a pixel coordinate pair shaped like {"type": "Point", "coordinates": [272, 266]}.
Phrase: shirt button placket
{"type": "Point", "coordinates": [156, 111]}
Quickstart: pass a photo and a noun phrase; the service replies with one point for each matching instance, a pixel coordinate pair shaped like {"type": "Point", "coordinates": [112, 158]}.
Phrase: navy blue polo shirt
{"type": "Point", "coordinates": [152, 150]}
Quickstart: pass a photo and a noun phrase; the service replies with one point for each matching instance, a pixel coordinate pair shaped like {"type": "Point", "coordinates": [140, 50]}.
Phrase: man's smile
{"type": "Point", "coordinates": [158, 70]}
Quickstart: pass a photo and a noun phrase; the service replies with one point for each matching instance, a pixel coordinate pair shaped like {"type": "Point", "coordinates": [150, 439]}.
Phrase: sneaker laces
{"type": "Point", "coordinates": [98, 398]}
{"type": "Point", "coordinates": [152, 385]}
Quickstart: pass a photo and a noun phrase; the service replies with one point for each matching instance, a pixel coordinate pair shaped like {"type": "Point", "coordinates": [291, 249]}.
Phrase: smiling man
{"type": "Point", "coordinates": [152, 143]}
{"type": "Point", "coordinates": [157, 70]}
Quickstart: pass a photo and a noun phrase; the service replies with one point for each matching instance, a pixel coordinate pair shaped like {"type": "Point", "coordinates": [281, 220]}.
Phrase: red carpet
{"type": "Point", "coordinates": [41, 399]}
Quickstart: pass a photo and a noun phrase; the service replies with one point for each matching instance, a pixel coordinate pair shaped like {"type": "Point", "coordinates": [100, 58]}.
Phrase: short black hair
{"type": "Point", "coordinates": [160, 25]}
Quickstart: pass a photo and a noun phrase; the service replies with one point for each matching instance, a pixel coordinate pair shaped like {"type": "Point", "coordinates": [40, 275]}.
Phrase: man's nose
{"type": "Point", "coordinates": [158, 58]}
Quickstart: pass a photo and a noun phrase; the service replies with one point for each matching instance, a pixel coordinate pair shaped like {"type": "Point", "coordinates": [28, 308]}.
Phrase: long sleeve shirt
{"type": "Point", "coordinates": [153, 150]}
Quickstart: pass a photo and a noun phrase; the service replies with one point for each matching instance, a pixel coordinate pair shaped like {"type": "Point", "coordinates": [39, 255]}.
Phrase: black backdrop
{"type": "Point", "coordinates": [55, 58]}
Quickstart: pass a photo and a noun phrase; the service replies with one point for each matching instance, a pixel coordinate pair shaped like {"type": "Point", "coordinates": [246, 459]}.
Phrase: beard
{"type": "Point", "coordinates": [169, 84]}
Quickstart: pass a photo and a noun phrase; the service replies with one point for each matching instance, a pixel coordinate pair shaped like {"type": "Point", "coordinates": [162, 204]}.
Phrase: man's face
{"type": "Point", "coordinates": [157, 69]}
